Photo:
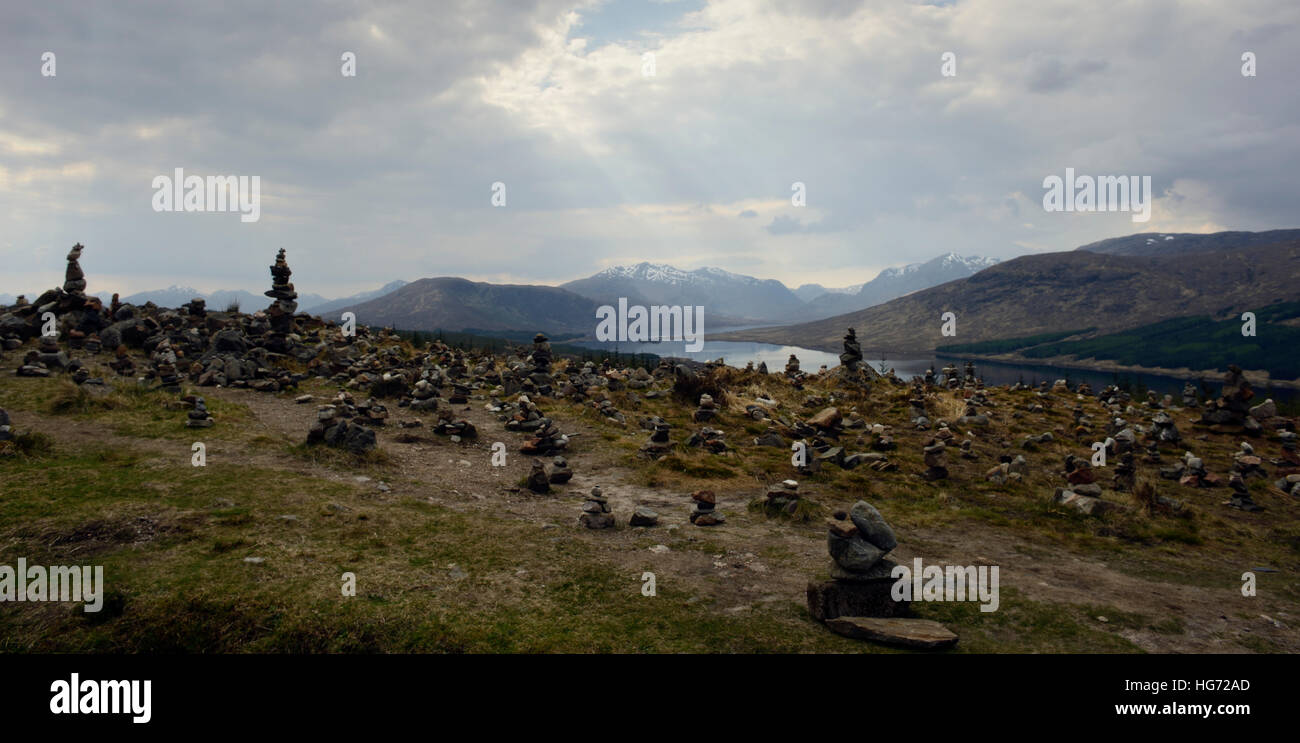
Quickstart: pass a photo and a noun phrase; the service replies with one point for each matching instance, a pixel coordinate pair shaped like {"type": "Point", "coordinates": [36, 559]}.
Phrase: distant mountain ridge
{"type": "Point", "coordinates": [1054, 292]}
{"type": "Point", "coordinates": [456, 304]}
{"type": "Point", "coordinates": [745, 299]}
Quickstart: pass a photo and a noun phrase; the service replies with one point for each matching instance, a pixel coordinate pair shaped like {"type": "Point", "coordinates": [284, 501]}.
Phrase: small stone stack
{"type": "Point", "coordinates": [560, 472]}
{"type": "Point", "coordinates": [164, 365]}
{"type": "Point", "coordinates": [710, 439]}
{"type": "Point", "coordinates": [6, 429]}
{"type": "Point", "coordinates": [659, 443]}
{"type": "Point", "coordinates": [1125, 478]}
{"type": "Point", "coordinates": [792, 367]}
{"type": "Point", "coordinates": [1189, 395]}
{"type": "Point", "coordinates": [1165, 430]}
{"type": "Point", "coordinates": [707, 411]}
{"type": "Point", "coordinates": [596, 513]}
{"type": "Point", "coordinates": [704, 512]}
{"type": "Point", "coordinates": [1233, 407]}
{"type": "Point", "coordinates": [936, 460]}
{"type": "Point", "coordinates": [1241, 499]}
{"type": "Point", "coordinates": [785, 498]}
{"type": "Point", "coordinates": [198, 416]}
{"type": "Point", "coordinates": [540, 375]}
{"type": "Point", "coordinates": [538, 481]}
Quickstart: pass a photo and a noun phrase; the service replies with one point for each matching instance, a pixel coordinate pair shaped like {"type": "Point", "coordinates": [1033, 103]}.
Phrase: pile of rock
{"type": "Point", "coordinates": [709, 439]}
{"type": "Point", "coordinates": [707, 411]}
{"type": "Point", "coordinates": [936, 460]}
{"type": "Point", "coordinates": [284, 305]}
{"type": "Point", "coordinates": [1164, 428]}
{"type": "Point", "coordinates": [659, 443]}
{"type": "Point", "coordinates": [560, 472]}
{"type": "Point", "coordinates": [858, 601]}
{"type": "Point", "coordinates": [198, 415]}
{"type": "Point", "coordinates": [595, 511]}
{"type": "Point", "coordinates": [784, 499]}
{"type": "Point", "coordinates": [851, 359]}
{"type": "Point", "coordinates": [1233, 407]}
{"type": "Point", "coordinates": [1125, 477]}
{"type": "Point", "coordinates": [6, 426]}
{"type": "Point", "coordinates": [538, 481]}
{"type": "Point", "coordinates": [1008, 470]}
{"type": "Point", "coordinates": [334, 428]}
{"type": "Point", "coordinates": [704, 512]}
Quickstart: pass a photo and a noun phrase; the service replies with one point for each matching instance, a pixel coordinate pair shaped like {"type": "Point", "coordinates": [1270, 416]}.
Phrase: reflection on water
{"type": "Point", "coordinates": [739, 353]}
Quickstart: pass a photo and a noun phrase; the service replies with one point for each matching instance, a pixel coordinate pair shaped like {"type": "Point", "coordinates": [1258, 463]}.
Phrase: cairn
{"type": "Point", "coordinates": [538, 481]}
{"type": "Point", "coordinates": [164, 365]}
{"type": "Point", "coordinates": [705, 512]}
{"type": "Point", "coordinates": [784, 499]}
{"type": "Point", "coordinates": [1233, 406]}
{"type": "Point", "coordinates": [792, 367]}
{"type": "Point", "coordinates": [333, 427]}
{"type": "Point", "coordinates": [560, 472]}
{"type": "Point", "coordinates": [596, 513]}
{"type": "Point", "coordinates": [1241, 499]}
{"type": "Point", "coordinates": [280, 312]}
{"type": "Point", "coordinates": [198, 415]}
{"type": "Point", "coordinates": [659, 443]}
{"type": "Point", "coordinates": [707, 411]}
{"type": "Point", "coordinates": [1125, 478]}
{"type": "Point", "coordinates": [709, 439]}
{"type": "Point", "coordinates": [936, 460]}
{"type": "Point", "coordinates": [851, 359]}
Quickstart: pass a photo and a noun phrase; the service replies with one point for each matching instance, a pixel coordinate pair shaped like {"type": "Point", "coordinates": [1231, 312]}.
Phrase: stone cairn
{"type": "Point", "coordinates": [705, 512]}
{"type": "Point", "coordinates": [707, 411]}
{"type": "Point", "coordinates": [334, 427]}
{"type": "Point", "coordinates": [560, 472]}
{"type": "Point", "coordinates": [540, 376]}
{"type": "Point", "coordinates": [280, 313]}
{"type": "Point", "coordinates": [792, 367]}
{"type": "Point", "coordinates": [851, 359]}
{"type": "Point", "coordinates": [198, 415]}
{"type": "Point", "coordinates": [538, 481]}
{"type": "Point", "coordinates": [6, 430]}
{"type": "Point", "coordinates": [936, 460]}
{"type": "Point", "coordinates": [784, 499]}
{"type": "Point", "coordinates": [659, 443]}
{"type": "Point", "coordinates": [596, 513]}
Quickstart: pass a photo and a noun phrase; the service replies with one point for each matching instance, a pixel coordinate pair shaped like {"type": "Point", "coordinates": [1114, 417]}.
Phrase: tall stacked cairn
{"type": "Point", "coordinates": [280, 313]}
{"type": "Point", "coordinates": [858, 600]}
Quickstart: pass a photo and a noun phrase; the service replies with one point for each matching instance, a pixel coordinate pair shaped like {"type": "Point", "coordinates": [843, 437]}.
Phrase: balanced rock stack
{"type": "Point", "coordinates": [1233, 408]}
{"type": "Point", "coordinates": [280, 313]}
{"type": "Point", "coordinates": [785, 498]}
{"type": "Point", "coordinates": [595, 511]}
{"type": "Point", "coordinates": [541, 360]}
{"type": "Point", "coordinates": [560, 472]}
{"type": "Point", "coordinates": [705, 512]}
{"type": "Point", "coordinates": [659, 443]}
{"type": "Point", "coordinates": [858, 601]}
{"type": "Point", "coordinates": [6, 431]}
{"type": "Point", "coordinates": [164, 364]}
{"type": "Point", "coordinates": [707, 411]}
{"type": "Point", "coordinates": [1125, 474]}
{"type": "Point", "coordinates": [74, 281]}
{"type": "Point", "coordinates": [792, 367]}
{"type": "Point", "coordinates": [198, 416]}
{"type": "Point", "coordinates": [936, 460]}
{"type": "Point", "coordinates": [851, 359]}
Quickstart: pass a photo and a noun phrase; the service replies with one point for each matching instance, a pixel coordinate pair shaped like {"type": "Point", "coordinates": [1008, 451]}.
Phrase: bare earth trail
{"type": "Point", "coordinates": [750, 560]}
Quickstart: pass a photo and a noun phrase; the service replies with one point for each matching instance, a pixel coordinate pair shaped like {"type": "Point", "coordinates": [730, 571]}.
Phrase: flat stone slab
{"type": "Point", "coordinates": [923, 634]}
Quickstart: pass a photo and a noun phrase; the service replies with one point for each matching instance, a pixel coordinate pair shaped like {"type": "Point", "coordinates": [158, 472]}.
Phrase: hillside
{"type": "Point", "coordinates": [1056, 292]}
{"type": "Point", "coordinates": [449, 303]}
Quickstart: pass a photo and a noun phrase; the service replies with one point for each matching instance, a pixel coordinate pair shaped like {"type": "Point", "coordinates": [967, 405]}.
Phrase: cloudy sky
{"type": "Point", "coordinates": [389, 174]}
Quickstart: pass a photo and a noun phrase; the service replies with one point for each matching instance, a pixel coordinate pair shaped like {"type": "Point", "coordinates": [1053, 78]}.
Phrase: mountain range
{"type": "Point", "coordinates": [1105, 287]}
{"type": "Point", "coordinates": [730, 300]}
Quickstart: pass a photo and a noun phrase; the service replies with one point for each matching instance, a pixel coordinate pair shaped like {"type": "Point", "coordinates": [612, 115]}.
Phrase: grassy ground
{"type": "Point", "coordinates": [248, 553]}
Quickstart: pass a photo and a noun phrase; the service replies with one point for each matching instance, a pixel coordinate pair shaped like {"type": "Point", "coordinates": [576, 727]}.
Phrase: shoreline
{"type": "Point", "coordinates": [1257, 378]}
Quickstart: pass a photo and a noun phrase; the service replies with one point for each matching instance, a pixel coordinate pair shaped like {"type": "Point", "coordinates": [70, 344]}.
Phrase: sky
{"type": "Point", "coordinates": [389, 174]}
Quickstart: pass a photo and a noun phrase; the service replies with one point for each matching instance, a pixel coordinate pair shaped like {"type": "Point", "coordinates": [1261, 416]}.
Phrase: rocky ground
{"type": "Point", "coordinates": [418, 485]}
